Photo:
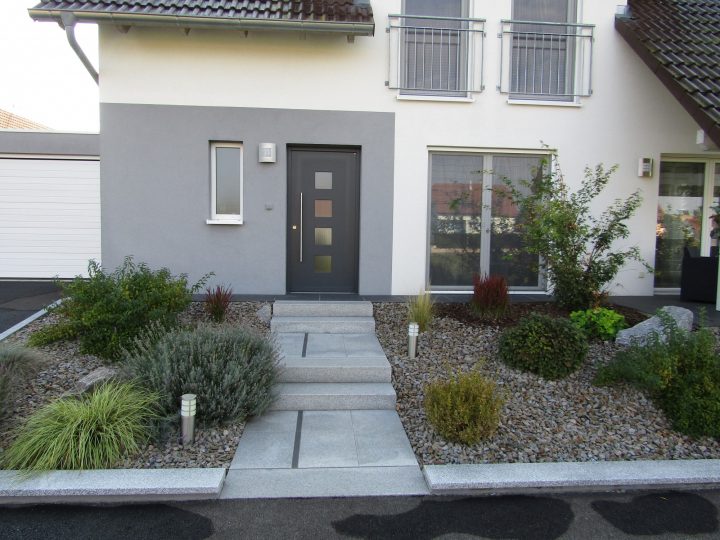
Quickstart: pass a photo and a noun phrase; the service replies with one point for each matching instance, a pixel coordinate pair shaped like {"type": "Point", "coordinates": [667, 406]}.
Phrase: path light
{"type": "Point", "coordinates": [188, 405]}
{"type": "Point", "coordinates": [413, 331]}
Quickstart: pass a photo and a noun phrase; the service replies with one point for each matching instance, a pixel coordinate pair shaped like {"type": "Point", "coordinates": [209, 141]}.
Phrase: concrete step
{"type": "Point", "coordinates": [323, 325]}
{"type": "Point", "coordinates": [333, 396]}
{"type": "Point", "coordinates": [299, 308]}
{"type": "Point", "coordinates": [371, 369]}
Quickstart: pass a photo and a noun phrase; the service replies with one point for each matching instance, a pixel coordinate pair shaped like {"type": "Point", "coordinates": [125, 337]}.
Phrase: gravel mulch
{"type": "Point", "coordinates": [65, 366]}
{"type": "Point", "coordinates": [567, 420]}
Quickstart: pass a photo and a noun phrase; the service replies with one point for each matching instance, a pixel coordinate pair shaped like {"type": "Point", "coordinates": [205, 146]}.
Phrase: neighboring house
{"type": "Point", "coordinates": [295, 146]}
{"type": "Point", "coordinates": [9, 120]}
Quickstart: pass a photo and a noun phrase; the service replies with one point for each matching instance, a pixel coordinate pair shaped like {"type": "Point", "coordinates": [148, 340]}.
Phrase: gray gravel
{"type": "Point", "coordinates": [65, 365]}
{"type": "Point", "coordinates": [567, 420]}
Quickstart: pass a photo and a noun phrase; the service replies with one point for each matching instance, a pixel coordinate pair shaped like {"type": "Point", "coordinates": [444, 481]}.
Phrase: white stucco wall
{"type": "Point", "coordinates": [630, 114]}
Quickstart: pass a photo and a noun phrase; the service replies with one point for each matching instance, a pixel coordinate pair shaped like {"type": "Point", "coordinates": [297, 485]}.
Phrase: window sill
{"type": "Point", "coordinates": [545, 103]}
{"type": "Point", "coordinates": [224, 221]}
{"type": "Point", "coordinates": [450, 99]}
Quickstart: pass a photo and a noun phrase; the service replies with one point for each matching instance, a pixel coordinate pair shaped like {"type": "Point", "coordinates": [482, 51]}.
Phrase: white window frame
{"type": "Point", "coordinates": [224, 219]}
{"type": "Point", "coordinates": [574, 7]}
{"type": "Point", "coordinates": [544, 286]}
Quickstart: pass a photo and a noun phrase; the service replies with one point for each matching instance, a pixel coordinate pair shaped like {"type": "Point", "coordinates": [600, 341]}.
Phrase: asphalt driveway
{"type": "Point", "coordinates": [20, 299]}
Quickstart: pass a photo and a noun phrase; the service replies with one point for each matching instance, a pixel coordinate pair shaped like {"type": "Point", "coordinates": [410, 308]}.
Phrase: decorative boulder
{"type": "Point", "coordinates": [264, 313]}
{"type": "Point", "coordinates": [639, 333]}
{"type": "Point", "coordinates": [93, 379]}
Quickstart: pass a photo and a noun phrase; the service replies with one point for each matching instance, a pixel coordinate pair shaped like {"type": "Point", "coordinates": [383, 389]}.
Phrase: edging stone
{"type": "Point", "coordinates": [110, 485]}
{"type": "Point", "coordinates": [572, 476]}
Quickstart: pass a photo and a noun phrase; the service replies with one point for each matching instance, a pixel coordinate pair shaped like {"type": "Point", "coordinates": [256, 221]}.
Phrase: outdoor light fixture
{"type": "Point", "coordinates": [413, 331]}
{"type": "Point", "coordinates": [188, 405]}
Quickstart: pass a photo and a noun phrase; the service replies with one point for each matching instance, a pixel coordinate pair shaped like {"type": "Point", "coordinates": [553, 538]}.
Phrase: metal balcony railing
{"type": "Point", "coordinates": [542, 60]}
{"type": "Point", "coordinates": [435, 56]}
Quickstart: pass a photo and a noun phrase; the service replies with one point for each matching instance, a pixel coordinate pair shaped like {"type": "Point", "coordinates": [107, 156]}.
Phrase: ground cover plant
{"type": "Point", "coordinates": [577, 250]}
{"type": "Point", "coordinates": [599, 323]}
{"type": "Point", "coordinates": [92, 431]}
{"type": "Point", "coordinates": [17, 364]}
{"type": "Point", "coordinates": [465, 409]}
{"type": "Point", "coordinates": [230, 369]}
{"type": "Point", "coordinates": [420, 310]}
{"type": "Point", "coordinates": [107, 310]}
{"type": "Point", "coordinates": [550, 347]}
{"type": "Point", "coordinates": [681, 373]}
{"type": "Point", "coordinates": [490, 298]}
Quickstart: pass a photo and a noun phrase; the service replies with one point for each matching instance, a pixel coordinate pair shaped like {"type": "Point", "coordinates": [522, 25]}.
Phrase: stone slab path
{"type": "Point", "coordinates": [333, 430]}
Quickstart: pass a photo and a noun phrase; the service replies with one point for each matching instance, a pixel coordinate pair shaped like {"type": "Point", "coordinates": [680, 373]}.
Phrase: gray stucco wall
{"type": "Point", "coordinates": [155, 174]}
{"type": "Point", "coordinates": [50, 143]}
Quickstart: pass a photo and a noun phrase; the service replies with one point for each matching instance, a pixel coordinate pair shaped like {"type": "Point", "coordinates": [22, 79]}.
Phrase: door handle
{"type": "Point", "coordinates": [301, 227]}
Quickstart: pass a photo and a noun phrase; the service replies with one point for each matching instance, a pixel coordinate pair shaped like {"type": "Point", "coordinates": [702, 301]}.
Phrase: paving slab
{"type": "Point", "coordinates": [110, 485]}
{"type": "Point", "coordinates": [290, 344]}
{"type": "Point", "coordinates": [264, 450]}
{"type": "Point", "coordinates": [576, 476]}
{"type": "Point", "coordinates": [325, 346]}
{"type": "Point", "coordinates": [337, 482]}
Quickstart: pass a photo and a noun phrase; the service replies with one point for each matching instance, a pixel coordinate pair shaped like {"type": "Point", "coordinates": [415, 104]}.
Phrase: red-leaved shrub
{"type": "Point", "coordinates": [490, 296]}
{"type": "Point", "coordinates": [217, 302]}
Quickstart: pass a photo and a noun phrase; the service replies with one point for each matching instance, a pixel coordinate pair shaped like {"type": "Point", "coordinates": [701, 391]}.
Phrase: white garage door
{"type": "Point", "coordinates": [49, 217]}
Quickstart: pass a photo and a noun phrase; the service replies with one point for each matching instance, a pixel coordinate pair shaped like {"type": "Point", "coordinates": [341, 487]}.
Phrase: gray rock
{"type": "Point", "coordinates": [93, 379]}
{"type": "Point", "coordinates": [641, 332]}
{"type": "Point", "coordinates": [264, 313]}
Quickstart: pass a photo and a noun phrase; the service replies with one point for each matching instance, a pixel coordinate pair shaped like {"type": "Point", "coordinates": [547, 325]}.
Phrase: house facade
{"type": "Point", "coordinates": [343, 147]}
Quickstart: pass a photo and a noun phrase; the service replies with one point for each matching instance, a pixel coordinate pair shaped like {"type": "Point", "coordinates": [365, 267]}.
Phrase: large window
{"type": "Point", "coordinates": [472, 225]}
{"type": "Point", "coordinates": [226, 183]}
{"type": "Point", "coordinates": [688, 190]}
{"type": "Point", "coordinates": [548, 55]}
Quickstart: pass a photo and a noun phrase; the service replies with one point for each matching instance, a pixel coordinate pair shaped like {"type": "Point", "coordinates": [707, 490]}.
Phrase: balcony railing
{"type": "Point", "coordinates": [435, 56]}
{"type": "Point", "coordinates": [541, 60]}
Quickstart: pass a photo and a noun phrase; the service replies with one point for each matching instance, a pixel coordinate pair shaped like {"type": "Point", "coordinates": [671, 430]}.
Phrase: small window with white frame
{"type": "Point", "coordinates": [226, 183]}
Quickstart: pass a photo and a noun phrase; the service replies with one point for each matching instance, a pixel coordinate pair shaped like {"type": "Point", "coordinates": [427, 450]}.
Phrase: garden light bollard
{"type": "Point", "coordinates": [188, 405]}
{"type": "Point", "coordinates": [413, 331]}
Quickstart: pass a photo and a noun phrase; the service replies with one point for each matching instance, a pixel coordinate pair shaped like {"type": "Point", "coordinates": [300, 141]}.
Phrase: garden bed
{"type": "Point", "coordinates": [542, 421]}
{"type": "Point", "coordinates": [65, 366]}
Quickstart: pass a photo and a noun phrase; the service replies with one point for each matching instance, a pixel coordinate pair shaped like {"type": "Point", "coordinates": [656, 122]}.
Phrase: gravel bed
{"type": "Point", "coordinates": [567, 420]}
{"type": "Point", "coordinates": [65, 366]}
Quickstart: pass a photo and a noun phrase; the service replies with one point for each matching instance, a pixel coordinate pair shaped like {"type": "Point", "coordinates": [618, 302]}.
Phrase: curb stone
{"type": "Point", "coordinates": [110, 485]}
{"type": "Point", "coordinates": [572, 476]}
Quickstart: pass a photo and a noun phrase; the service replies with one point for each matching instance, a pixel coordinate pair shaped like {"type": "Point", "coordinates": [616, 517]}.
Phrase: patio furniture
{"type": "Point", "coordinates": [698, 281]}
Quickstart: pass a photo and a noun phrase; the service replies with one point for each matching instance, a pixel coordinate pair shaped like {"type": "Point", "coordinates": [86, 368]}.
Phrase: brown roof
{"type": "Point", "coordinates": [9, 120]}
{"type": "Point", "coordinates": [357, 12]}
{"type": "Point", "coordinates": [680, 41]}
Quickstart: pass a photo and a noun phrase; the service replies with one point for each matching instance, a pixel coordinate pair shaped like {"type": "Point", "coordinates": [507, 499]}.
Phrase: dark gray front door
{"type": "Point", "coordinates": [323, 201]}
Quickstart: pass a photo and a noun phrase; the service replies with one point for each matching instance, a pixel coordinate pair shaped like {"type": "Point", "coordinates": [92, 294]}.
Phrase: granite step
{"type": "Point", "coordinates": [298, 308]}
{"type": "Point", "coordinates": [323, 396]}
{"type": "Point", "coordinates": [335, 370]}
{"type": "Point", "coordinates": [323, 325]}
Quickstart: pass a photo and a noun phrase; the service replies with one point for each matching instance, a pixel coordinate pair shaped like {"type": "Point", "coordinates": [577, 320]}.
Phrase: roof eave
{"type": "Point", "coordinates": [712, 130]}
{"type": "Point", "coordinates": [134, 19]}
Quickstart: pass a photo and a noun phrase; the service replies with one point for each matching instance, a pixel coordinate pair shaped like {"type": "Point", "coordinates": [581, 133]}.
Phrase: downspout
{"type": "Point", "coordinates": [67, 21]}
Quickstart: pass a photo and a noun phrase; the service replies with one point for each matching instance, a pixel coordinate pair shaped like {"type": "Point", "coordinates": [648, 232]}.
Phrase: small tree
{"type": "Point", "coordinates": [575, 248]}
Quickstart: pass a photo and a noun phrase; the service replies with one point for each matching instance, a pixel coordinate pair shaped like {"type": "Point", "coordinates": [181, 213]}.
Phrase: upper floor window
{"type": "Point", "coordinates": [435, 48]}
{"type": "Point", "coordinates": [546, 53]}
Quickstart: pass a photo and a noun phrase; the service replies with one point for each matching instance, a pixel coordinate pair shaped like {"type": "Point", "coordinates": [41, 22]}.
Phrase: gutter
{"type": "Point", "coordinates": [130, 19]}
{"type": "Point", "coordinates": [68, 21]}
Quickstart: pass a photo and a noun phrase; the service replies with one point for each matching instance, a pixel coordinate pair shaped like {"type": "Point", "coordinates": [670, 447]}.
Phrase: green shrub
{"type": "Point", "coordinates": [107, 310]}
{"type": "Point", "coordinates": [92, 431]}
{"type": "Point", "coordinates": [230, 369]}
{"type": "Point", "coordinates": [490, 297]}
{"type": "Point", "coordinates": [464, 409]}
{"type": "Point", "coordinates": [576, 249]}
{"type": "Point", "coordinates": [599, 323]}
{"type": "Point", "coordinates": [217, 302]}
{"type": "Point", "coordinates": [51, 334]}
{"type": "Point", "coordinates": [421, 310]}
{"type": "Point", "coordinates": [549, 347]}
{"type": "Point", "coordinates": [680, 373]}
{"type": "Point", "coordinates": [17, 364]}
